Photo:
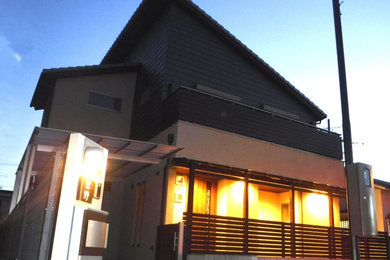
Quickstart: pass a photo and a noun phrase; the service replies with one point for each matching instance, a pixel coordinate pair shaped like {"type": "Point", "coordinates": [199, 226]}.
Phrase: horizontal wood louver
{"type": "Point", "coordinates": [224, 235]}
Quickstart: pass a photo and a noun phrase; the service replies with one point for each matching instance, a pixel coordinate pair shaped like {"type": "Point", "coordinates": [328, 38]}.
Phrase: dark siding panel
{"type": "Point", "coordinates": [37, 202]}
{"type": "Point", "coordinates": [196, 55]}
{"type": "Point", "coordinates": [23, 228]}
{"type": "Point", "coordinates": [150, 52]}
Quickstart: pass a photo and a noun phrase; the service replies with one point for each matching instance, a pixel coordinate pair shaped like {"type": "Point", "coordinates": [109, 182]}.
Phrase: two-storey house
{"type": "Point", "coordinates": [255, 176]}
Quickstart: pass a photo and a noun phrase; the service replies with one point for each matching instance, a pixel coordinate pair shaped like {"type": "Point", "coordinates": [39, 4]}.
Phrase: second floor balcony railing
{"type": "Point", "coordinates": [204, 109]}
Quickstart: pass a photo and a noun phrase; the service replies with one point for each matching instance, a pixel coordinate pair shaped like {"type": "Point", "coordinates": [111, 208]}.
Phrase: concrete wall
{"type": "Point", "coordinates": [112, 203]}
{"type": "Point", "coordinates": [121, 244]}
{"type": "Point", "coordinates": [70, 109]}
{"type": "Point", "coordinates": [120, 202]}
{"type": "Point", "coordinates": [220, 147]}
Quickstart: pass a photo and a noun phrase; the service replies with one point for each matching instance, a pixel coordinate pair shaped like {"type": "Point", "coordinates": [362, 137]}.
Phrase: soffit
{"type": "Point", "coordinates": [125, 157]}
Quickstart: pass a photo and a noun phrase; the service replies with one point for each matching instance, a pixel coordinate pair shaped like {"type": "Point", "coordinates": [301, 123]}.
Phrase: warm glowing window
{"type": "Point", "coordinates": [218, 196]}
{"type": "Point", "coordinates": [269, 203]}
{"type": "Point", "coordinates": [205, 196]}
{"type": "Point", "coordinates": [230, 198]}
{"type": "Point", "coordinates": [312, 208]}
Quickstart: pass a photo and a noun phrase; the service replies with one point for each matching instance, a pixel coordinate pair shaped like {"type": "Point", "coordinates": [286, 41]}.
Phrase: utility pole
{"type": "Point", "coordinates": [345, 109]}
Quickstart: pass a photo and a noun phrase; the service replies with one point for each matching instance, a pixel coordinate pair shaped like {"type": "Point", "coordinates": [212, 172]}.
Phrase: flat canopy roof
{"type": "Point", "coordinates": [125, 157]}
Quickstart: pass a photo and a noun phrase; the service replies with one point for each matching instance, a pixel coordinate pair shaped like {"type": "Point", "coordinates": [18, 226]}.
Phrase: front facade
{"type": "Point", "coordinates": [255, 177]}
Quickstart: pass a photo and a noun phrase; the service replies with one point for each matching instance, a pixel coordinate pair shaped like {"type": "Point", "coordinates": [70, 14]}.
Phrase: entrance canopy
{"type": "Point", "coordinates": [125, 157]}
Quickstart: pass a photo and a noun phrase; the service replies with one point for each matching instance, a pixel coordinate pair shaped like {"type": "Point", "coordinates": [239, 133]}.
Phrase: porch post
{"type": "Point", "coordinates": [190, 202]}
{"type": "Point", "coordinates": [246, 213]}
{"type": "Point", "coordinates": [331, 233]}
{"type": "Point", "coordinates": [292, 217]}
{"type": "Point", "coordinates": [52, 203]}
{"type": "Point", "coordinates": [24, 190]}
{"type": "Point", "coordinates": [164, 190]}
{"type": "Point", "coordinates": [190, 206]}
{"type": "Point", "coordinates": [331, 213]}
{"type": "Point", "coordinates": [19, 192]}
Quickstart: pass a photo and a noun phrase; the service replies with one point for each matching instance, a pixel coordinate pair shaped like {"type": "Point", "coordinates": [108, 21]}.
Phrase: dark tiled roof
{"type": "Point", "coordinates": [48, 77]}
{"type": "Point", "coordinates": [145, 15]}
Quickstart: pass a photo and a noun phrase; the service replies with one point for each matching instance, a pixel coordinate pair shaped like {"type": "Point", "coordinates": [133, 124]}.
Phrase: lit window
{"type": "Point", "coordinates": [205, 195]}
{"type": "Point", "coordinates": [104, 101]}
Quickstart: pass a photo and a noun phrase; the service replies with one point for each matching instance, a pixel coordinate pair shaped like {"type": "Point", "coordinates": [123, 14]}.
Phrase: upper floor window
{"type": "Point", "coordinates": [104, 101]}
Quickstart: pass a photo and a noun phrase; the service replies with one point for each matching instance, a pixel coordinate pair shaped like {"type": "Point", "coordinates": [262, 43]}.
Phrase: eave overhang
{"type": "Point", "coordinates": [48, 78]}
{"type": "Point", "coordinates": [125, 156]}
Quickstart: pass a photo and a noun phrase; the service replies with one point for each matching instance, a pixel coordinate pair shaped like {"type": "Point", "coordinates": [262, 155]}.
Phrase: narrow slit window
{"type": "Point", "coordinates": [139, 213]}
{"type": "Point", "coordinates": [104, 101]}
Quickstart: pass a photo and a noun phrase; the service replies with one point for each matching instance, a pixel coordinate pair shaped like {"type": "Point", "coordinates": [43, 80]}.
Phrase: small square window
{"type": "Point", "coordinates": [104, 101]}
{"type": "Point", "coordinates": [367, 177]}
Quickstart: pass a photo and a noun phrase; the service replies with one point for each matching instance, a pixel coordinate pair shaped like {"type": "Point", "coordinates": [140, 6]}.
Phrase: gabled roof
{"type": "Point", "coordinates": [48, 78]}
{"type": "Point", "coordinates": [147, 13]}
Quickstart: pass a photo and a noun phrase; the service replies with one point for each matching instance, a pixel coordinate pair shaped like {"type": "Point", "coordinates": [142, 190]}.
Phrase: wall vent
{"type": "Point", "coordinates": [218, 92]}
{"type": "Point", "coordinates": [279, 111]}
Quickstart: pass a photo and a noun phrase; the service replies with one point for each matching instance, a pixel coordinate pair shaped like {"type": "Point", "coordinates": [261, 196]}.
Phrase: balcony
{"type": "Point", "coordinates": [205, 109]}
{"type": "Point", "coordinates": [233, 211]}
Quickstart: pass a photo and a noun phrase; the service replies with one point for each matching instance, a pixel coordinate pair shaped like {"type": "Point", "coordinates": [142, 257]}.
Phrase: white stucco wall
{"type": "Point", "coordinates": [220, 147]}
{"type": "Point", "coordinates": [70, 109]}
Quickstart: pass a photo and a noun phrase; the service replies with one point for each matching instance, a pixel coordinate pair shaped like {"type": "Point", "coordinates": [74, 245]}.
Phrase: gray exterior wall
{"type": "Point", "coordinates": [69, 108]}
{"type": "Point", "coordinates": [179, 50]}
{"type": "Point", "coordinates": [122, 214]}
{"type": "Point", "coordinates": [21, 233]}
{"type": "Point", "coordinates": [112, 203]}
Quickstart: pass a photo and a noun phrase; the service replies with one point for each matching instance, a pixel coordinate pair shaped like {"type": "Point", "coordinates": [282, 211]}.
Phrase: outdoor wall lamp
{"type": "Point", "coordinates": [91, 171]}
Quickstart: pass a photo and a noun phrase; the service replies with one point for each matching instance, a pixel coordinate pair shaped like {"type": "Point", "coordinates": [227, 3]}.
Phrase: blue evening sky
{"type": "Point", "coordinates": [295, 37]}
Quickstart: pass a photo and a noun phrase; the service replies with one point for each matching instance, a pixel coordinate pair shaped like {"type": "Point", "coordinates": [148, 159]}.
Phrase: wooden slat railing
{"type": "Point", "coordinates": [218, 234]}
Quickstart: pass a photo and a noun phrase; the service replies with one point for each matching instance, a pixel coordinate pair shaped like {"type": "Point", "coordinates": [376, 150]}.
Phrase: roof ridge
{"type": "Point", "coordinates": [155, 6]}
{"type": "Point", "coordinates": [110, 65]}
{"type": "Point", "coordinates": [253, 54]}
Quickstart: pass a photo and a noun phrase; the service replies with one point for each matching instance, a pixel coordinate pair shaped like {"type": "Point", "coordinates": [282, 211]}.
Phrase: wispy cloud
{"type": "Point", "coordinates": [7, 54]}
{"type": "Point", "coordinates": [17, 57]}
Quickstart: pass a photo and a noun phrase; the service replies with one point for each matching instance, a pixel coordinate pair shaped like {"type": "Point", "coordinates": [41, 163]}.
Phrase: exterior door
{"type": "Point", "coordinates": [169, 242]}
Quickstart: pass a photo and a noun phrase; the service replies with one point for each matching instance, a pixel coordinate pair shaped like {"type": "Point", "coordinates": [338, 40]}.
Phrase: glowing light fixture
{"type": "Point", "coordinates": [317, 204]}
{"type": "Point", "coordinates": [93, 162]}
{"type": "Point", "coordinates": [90, 174]}
{"type": "Point", "coordinates": [238, 190]}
